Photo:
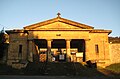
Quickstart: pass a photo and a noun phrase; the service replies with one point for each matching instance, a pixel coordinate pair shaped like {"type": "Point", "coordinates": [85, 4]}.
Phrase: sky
{"type": "Point", "coordinates": [101, 14]}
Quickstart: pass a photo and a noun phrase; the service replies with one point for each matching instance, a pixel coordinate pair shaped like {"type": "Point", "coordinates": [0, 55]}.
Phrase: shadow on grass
{"type": "Point", "coordinates": [86, 71]}
{"type": "Point", "coordinates": [114, 68]}
{"type": "Point", "coordinates": [54, 69]}
{"type": "Point", "coordinates": [8, 70]}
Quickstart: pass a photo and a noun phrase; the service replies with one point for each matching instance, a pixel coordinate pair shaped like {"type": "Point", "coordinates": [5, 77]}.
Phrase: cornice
{"type": "Point", "coordinates": [82, 30]}
{"type": "Point", "coordinates": [100, 31]}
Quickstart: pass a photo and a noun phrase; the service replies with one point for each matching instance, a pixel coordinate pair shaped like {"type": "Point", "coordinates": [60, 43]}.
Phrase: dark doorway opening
{"type": "Point", "coordinates": [80, 45]}
{"type": "Point", "coordinates": [41, 43]}
{"type": "Point", "coordinates": [58, 43]}
{"type": "Point", "coordinates": [59, 47]}
{"type": "Point", "coordinates": [42, 50]}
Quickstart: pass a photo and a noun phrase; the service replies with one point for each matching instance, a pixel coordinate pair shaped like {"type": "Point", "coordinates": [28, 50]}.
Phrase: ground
{"type": "Point", "coordinates": [51, 77]}
{"type": "Point", "coordinates": [57, 70]}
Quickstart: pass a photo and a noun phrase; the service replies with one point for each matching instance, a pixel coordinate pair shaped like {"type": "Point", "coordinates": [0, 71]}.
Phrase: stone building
{"type": "Point", "coordinates": [69, 40]}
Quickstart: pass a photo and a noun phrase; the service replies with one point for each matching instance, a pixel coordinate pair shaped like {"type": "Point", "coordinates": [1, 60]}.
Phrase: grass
{"type": "Point", "coordinates": [8, 70]}
{"type": "Point", "coordinates": [114, 67]}
{"type": "Point", "coordinates": [112, 71]}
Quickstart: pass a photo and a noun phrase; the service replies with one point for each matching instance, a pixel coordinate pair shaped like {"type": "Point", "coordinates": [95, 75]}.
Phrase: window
{"type": "Point", "coordinates": [96, 48]}
{"type": "Point", "coordinates": [20, 49]}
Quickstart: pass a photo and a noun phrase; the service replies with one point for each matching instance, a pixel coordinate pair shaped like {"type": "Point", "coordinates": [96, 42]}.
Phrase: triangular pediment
{"type": "Point", "coordinates": [57, 23]}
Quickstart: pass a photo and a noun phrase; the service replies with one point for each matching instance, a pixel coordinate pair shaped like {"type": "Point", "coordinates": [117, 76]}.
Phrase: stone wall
{"type": "Point", "coordinates": [100, 39]}
{"type": "Point", "coordinates": [15, 40]}
{"type": "Point", "coordinates": [114, 52]}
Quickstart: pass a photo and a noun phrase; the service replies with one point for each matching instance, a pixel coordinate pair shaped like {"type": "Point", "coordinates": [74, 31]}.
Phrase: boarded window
{"type": "Point", "coordinates": [20, 48]}
{"type": "Point", "coordinates": [96, 48]}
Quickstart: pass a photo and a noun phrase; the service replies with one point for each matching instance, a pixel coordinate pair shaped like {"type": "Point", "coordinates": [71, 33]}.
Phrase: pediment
{"type": "Point", "coordinates": [57, 23]}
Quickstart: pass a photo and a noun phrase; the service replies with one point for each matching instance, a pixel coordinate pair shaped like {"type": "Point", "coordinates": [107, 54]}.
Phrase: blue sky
{"type": "Point", "coordinates": [101, 14]}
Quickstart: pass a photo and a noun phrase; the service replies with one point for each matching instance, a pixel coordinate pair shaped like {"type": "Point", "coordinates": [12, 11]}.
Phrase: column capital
{"type": "Point", "coordinates": [68, 39]}
{"type": "Point", "coordinates": [87, 39]}
{"type": "Point", "coordinates": [49, 39]}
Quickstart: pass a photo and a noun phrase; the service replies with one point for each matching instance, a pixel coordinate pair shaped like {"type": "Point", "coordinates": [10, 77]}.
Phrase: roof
{"type": "Point", "coordinates": [59, 24]}
{"type": "Point", "coordinates": [59, 19]}
{"type": "Point", "coordinates": [114, 39]}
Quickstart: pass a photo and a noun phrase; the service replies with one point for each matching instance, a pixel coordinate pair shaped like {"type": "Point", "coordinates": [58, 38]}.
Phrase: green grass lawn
{"type": "Point", "coordinates": [114, 67]}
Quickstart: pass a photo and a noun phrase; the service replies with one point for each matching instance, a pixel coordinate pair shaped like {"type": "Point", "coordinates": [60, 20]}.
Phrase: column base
{"type": "Point", "coordinates": [68, 59]}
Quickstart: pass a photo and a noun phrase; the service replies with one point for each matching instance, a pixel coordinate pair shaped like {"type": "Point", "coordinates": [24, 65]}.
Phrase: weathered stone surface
{"type": "Point", "coordinates": [19, 66]}
{"type": "Point", "coordinates": [114, 52]}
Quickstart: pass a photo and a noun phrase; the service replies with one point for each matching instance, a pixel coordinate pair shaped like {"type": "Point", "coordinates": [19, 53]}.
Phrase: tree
{"type": "Point", "coordinates": [2, 42]}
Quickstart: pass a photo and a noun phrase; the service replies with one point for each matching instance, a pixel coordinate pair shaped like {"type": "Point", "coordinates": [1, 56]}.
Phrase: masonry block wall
{"type": "Point", "coordinates": [19, 40]}
{"type": "Point", "coordinates": [101, 40]}
{"type": "Point", "coordinates": [114, 52]}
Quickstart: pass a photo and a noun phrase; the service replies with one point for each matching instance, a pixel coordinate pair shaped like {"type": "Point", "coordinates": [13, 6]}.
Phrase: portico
{"type": "Point", "coordinates": [67, 46]}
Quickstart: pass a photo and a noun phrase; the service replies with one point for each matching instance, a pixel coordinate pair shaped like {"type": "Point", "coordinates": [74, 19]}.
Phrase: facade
{"type": "Point", "coordinates": [58, 37]}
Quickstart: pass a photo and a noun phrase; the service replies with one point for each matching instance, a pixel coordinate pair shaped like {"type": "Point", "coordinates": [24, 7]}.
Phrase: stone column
{"type": "Point", "coordinates": [49, 50]}
{"type": "Point", "coordinates": [68, 49]}
{"type": "Point", "coordinates": [87, 47]}
{"type": "Point", "coordinates": [30, 52]}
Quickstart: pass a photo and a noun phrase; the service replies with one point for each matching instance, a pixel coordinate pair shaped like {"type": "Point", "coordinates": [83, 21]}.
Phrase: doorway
{"type": "Point", "coordinates": [58, 49]}
{"type": "Point", "coordinates": [78, 44]}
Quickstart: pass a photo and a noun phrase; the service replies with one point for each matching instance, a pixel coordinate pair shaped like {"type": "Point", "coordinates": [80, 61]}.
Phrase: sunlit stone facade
{"type": "Point", "coordinates": [50, 36]}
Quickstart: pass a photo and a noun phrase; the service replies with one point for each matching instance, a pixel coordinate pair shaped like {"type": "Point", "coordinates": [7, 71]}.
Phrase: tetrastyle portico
{"type": "Point", "coordinates": [55, 37]}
